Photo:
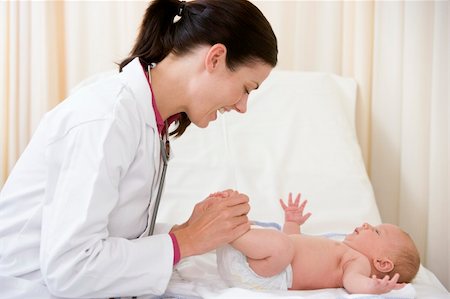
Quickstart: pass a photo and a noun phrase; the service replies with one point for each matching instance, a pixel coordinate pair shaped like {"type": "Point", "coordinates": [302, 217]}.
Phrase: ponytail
{"type": "Point", "coordinates": [154, 41]}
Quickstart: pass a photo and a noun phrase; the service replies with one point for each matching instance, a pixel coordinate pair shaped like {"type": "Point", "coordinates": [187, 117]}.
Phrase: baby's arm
{"type": "Point", "coordinates": [356, 279]}
{"type": "Point", "coordinates": [293, 214]}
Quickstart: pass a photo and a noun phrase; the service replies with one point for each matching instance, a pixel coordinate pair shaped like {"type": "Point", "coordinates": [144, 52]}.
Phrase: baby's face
{"type": "Point", "coordinates": [375, 241]}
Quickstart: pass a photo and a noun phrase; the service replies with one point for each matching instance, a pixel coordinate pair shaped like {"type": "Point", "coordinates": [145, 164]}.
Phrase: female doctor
{"type": "Point", "coordinates": [76, 212]}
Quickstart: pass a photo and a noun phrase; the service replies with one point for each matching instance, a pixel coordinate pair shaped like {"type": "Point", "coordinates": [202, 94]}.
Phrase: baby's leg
{"type": "Point", "coordinates": [268, 251]}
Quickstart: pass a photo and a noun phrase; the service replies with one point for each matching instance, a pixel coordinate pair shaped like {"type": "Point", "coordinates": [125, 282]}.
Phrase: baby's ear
{"type": "Point", "coordinates": [383, 265]}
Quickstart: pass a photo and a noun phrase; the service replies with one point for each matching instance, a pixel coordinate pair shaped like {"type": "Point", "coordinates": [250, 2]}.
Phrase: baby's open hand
{"type": "Point", "coordinates": [386, 284]}
{"type": "Point", "coordinates": [293, 211]}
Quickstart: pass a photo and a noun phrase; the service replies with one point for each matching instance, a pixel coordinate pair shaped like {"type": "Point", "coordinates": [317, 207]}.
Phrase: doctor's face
{"type": "Point", "coordinates": [226, 90]}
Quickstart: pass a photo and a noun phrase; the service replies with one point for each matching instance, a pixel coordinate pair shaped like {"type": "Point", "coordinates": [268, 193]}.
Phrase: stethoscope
{"type": "Point", "coordinates": [165, 154]}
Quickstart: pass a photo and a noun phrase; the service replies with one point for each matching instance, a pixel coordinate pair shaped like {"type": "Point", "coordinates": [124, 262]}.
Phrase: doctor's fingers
{"type": "Point", "coordinates": [239, 230]}
{"type": "Point", "coordinates": [214, 230]}
{"type": "Point", "coordinates": [201, 208]}
{"type": "Point", "coordinates": [218, 203]}
{"type": "Point", "coordinates": [230, 229]}
{"type": "Point", "coordinates": [223, 194]}
{"type": "Point", "coordinates": [234, 211]}
{"type": "Point", "coordinates": [235, 199]}
{"type": "Point", "coordinates": [229, 192]}
{"type": "Point", "coordinates": [208, 203]}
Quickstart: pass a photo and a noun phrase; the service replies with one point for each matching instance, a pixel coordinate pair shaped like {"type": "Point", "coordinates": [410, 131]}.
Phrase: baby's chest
{"type": "Point", "coordinates": [317, 264]}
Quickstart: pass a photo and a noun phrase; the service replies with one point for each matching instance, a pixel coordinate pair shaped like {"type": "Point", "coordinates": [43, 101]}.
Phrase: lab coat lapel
{"type": "Point", "coordinates": [156, 179]}
{"type": "Point", "coordinates": [135, 77]}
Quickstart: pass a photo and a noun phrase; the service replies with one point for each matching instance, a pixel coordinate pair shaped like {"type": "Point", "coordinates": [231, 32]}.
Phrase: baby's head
{"type": "Point", "coordinates": [390, 250]}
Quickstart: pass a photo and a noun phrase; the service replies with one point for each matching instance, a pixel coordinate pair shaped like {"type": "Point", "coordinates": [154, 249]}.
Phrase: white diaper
{"type": "Point", "coordinates": [234, 269]}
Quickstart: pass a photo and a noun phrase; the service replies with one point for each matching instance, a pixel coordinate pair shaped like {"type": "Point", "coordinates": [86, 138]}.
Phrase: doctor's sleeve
{"type": "Point", "coordinates": [78, 256]}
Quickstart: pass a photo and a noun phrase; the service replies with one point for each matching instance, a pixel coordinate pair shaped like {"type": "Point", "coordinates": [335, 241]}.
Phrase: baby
{"type": "Point", "coordinates": [370, 260]}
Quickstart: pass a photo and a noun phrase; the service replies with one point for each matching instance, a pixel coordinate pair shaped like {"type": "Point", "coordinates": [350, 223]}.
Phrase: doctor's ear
{"type": "Point", "coordinates": [383, 265]}
{"type": "Point", "coordinates": [216, 57]}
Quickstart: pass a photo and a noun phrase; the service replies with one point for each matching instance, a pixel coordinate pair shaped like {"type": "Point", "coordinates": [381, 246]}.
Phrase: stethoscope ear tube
{"type": "Point", "coordinates": [165, 152]}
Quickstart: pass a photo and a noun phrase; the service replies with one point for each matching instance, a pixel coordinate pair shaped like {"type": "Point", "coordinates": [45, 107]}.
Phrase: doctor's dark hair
{"type": "Point", "coordinates": [237, 24]}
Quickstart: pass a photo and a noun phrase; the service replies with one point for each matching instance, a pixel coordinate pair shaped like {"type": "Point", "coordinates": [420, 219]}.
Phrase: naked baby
{"type": "Point", "coordinates": [370, 260]}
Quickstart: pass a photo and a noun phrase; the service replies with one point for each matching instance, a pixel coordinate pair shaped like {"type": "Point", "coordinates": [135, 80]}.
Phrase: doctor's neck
{"type": "Point", "coordinates": [170, 84]}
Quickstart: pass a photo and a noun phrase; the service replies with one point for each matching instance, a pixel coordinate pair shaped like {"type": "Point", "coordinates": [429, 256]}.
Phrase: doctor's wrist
{"type": "Point", "coordinates": [177, 227]}
{"type": "Point", "coordinates": [184, 243]}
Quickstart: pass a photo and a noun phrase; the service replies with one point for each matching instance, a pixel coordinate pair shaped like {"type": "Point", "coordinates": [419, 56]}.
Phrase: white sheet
{"type": "Point", "coordinates": [297, 136]}
{"type": "Point", "coordinates": [197, 277]}
{"type": "Point", "coordinates": [205, 282]}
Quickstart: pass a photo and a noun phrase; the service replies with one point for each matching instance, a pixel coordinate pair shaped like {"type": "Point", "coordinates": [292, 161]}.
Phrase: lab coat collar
{"type": "Point", "coordinates": [135, 78]}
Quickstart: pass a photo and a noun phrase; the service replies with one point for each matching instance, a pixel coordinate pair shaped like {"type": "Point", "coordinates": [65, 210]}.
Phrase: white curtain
{"type": "Point", "coordinates": [46, 48]}
{"type": "Point", "coordinates": [410, 112]}
{"type": "Point", "coordinates": [397, 51]}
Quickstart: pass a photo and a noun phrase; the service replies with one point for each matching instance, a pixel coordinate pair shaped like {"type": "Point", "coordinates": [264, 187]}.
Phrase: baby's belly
{"type": "Point", "coordinates": [316, 264]}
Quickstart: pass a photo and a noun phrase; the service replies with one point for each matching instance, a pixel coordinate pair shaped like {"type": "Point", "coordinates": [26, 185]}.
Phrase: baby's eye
{"type": "Point", "coordinates": [246, 91]}
{"type": "Point", "coordinates": [377, 231]}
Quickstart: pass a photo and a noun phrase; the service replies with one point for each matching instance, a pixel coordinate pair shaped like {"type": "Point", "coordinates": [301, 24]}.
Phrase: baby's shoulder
{"type": "Point", "coordinates": [354, 259]}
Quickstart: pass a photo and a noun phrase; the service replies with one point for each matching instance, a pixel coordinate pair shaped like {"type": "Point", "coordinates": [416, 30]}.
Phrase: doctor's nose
{"type": "Point", "coordinates": [241, 105]}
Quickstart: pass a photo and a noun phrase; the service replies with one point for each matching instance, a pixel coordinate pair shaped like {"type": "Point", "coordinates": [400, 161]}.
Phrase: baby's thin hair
{"type": "Point", "coordinates": [406, 261]}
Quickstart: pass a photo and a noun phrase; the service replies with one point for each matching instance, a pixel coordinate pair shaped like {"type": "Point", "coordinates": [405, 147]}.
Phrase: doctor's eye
{"type": "Point", "coordinates": [246, 90]}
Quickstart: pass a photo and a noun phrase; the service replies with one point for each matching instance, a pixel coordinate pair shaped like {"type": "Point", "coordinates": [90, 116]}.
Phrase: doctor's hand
{"type": "Point", "coordinates": [215, 221]}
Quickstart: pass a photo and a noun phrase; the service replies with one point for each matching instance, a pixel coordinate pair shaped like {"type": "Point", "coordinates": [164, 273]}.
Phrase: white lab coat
{"type": "Point", "coordinates": [77, 201]}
